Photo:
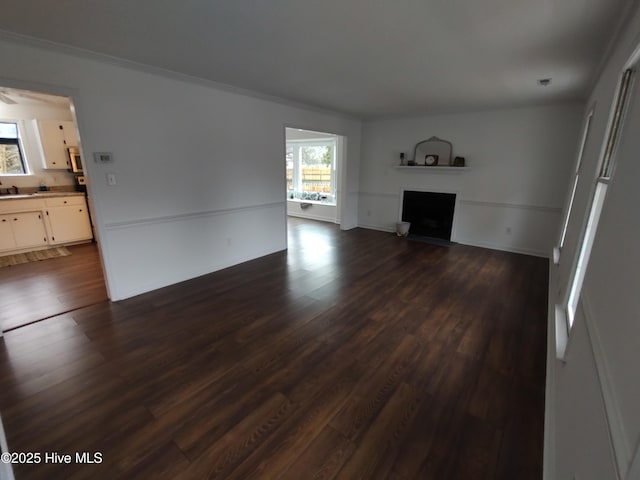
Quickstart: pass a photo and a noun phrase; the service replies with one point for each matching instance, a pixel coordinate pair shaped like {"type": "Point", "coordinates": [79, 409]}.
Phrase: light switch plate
{"type": "Point", "coordinates": [111, 179]}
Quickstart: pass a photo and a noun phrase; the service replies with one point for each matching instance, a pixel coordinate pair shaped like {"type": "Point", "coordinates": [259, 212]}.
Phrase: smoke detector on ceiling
{"type": "Point", "coordinates": [544, 82]}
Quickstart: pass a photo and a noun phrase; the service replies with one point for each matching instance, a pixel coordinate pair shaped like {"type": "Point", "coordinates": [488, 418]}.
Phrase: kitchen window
{"type": "Point", "coordinates": [11, 156]}
{"type": "Point", "coordinates": [311, 170]}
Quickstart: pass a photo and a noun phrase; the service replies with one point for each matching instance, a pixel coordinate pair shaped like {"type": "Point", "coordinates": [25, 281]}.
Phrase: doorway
{"type": "Point", "coordinates": [314, 163]}
{"type": "Point", "coordinates": [43, 184]}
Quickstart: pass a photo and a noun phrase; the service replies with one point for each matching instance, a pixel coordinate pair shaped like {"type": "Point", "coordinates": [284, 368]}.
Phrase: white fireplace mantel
{"type": "Point", "coordinates": [433, 169]}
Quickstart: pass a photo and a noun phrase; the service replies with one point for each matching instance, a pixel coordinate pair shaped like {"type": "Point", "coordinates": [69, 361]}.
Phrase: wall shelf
{"type": "Point", "coordinates": [433, 169]}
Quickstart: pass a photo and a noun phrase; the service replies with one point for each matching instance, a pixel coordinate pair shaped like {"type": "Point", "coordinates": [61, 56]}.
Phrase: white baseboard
{"type": "Point", "coordinates": [471, 243]}
{"type": "Point", "coordinates": [205, 252]}
{"type": "Point", "coordinates": [377, 227]}
{"type": "Point", "coordinates": [194, 273]}
{"type": "Point", "coordinates": [502, 248]}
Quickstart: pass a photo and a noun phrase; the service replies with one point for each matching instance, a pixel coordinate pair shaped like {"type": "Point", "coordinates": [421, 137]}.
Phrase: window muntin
{"type": "Point", "coordinates": [583, 143]}
{"type": "Point", "coordinates": [311, 170]}
{"type": "Point", "coordinates": [11, 157]}
{"type": "Point", "coordinates": [289, 163]}
{"type": "Point", "coordinates": [614, 130]}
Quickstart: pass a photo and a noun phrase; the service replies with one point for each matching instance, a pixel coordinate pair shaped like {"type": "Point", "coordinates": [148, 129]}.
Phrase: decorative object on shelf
{"type": "Point", "coordinates": [402, 228]}
{"type": "Point", "coordinates": [433, 147]}
{"type": "Point", "coordinates": [401, 158]}
{"type": "Point", "coordinates": [411, 163]}
{"type": "Point", "coordinates": [458, 162]}
{"type": "Point", "coordinates": [430, 160]}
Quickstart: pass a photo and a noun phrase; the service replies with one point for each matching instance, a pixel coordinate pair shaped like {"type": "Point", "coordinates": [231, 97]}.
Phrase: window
{"type": "Point", "coordinates": [606, 169]}
{"type": "Point", "coordinates": [614, 130]}
{"type": "Point", "coordinates": [311, 170]}
{"type": "Point", "coordinates": [576, 175]}
{"type": "Point", "coordinates": [585, 251]}
{"type": "Point", "coordinates": [11, 158]}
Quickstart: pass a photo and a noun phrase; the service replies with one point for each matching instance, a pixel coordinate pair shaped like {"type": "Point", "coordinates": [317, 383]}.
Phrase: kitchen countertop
{"type": "Point", "coordinates": [22, 196]}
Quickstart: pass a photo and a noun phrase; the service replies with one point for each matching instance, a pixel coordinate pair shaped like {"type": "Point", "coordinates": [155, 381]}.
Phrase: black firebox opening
{"type": "Point", "coordinates": [430, 213]}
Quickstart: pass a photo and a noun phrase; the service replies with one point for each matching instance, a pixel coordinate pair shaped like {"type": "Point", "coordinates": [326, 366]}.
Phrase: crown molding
{"type": "Point", "coordinates": [78, 52]}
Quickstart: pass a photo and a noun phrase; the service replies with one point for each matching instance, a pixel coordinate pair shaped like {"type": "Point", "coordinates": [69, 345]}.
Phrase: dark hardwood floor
{"type": "Point", "coordinates": [37, 290]}
{"type": "Point", "coordinates": [355, 355]}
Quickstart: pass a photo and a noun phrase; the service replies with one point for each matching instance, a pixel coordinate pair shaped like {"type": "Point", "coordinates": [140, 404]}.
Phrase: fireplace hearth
{"type": "Point", "coordinates": [430, 213]}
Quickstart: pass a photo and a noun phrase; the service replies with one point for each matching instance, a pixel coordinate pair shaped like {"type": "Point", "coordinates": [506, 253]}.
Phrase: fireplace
{"type": "Point", "coordinates": [430, 213]}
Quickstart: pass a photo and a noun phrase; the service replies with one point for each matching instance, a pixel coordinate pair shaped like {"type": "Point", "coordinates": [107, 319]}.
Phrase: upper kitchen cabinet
{"type": "Point", "coordinates": [55, 138]}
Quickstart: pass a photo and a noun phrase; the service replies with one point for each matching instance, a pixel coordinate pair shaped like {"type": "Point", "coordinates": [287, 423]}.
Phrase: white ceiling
{"type": "Point", "coordinates": [12, 96]}
{"type": "Point", "coordinates": [362, 57]}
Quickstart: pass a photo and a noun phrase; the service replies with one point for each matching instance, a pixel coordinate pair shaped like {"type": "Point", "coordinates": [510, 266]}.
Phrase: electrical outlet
{"type": "Point", "coordinates": [508, 230]}
{"type": "Point", "coordinates": [111, 179]}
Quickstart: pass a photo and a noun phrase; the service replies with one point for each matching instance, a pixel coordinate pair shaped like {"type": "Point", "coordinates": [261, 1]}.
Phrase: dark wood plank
{"type": "Point", "coordinates": [323, 458]}
{"type": "Point", "coordinates": [385, 434]}
{"type": "Point", "coordinates": [223, 456]}
{"type": "Point", "coordinates": [37, 290]}
{"type": "Point", "coordinates": [378, 358]}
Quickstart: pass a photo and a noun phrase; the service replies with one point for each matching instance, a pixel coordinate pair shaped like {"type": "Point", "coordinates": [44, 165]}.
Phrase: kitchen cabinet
{"type": "Point", "coordinates": [29, 229]}
{"type": "Point", "coordinates": [20, 231]}
{"type": "Point", "coordinates": [55, 138]}
{"type": "Point", "coordinates": [68, 220]}
{"type": "Point", "coordinates": [31, 222]}
{"type": "Point", "coordinates": [7, 242]}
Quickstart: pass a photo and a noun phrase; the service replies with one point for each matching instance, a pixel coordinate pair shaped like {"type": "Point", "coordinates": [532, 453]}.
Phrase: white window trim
{"type": "Point", "coordinates": [585, 252]}
{"type": "Point", "coordinates": [565, 312]}
{"type": "Point", "coordinates": [23, 151]}
{"type": "Point", "coordinates": [576, 176]}
{"type": "Point", "coordinates": [297, 161]}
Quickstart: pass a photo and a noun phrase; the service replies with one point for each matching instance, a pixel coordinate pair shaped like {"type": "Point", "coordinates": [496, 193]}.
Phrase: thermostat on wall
{"type": "Point", "coordinates": [103, 157]}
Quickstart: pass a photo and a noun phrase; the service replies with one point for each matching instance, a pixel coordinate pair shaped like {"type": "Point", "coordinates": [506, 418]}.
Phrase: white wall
{"type": "Point", "coordinates": [315, 211]}
{"type": "Point", "coordinates": [25, 115]}
{"type": "Point", "coordinates": [519, 163]}
{"type": "Point", "coordinates": [194, 193]}
{"type": "Point", "coordinates": [593, 398]}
